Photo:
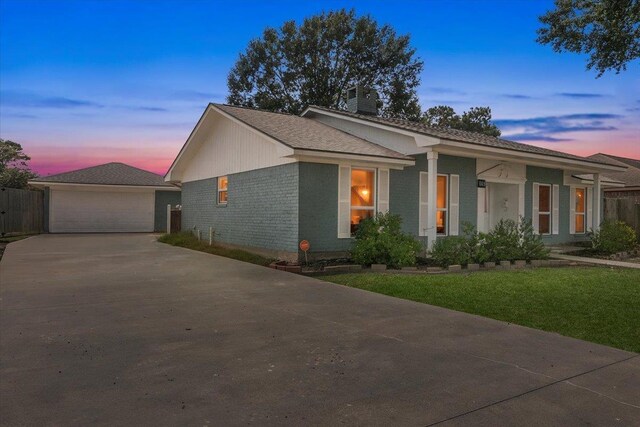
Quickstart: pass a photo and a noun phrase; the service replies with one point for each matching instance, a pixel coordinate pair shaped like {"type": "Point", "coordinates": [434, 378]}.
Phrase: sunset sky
{"type": "Point", "coordinates": [88, 82]}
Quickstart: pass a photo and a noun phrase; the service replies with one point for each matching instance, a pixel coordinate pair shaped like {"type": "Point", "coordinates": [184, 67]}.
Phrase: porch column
{"type": "Point", "coordinates": [432, 174]}
{"type": "Point", "coordinates": [597, 200]}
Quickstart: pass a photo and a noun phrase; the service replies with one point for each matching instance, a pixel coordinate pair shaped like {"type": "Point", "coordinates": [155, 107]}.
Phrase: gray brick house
{"type": "Point", "coordinates": [264, 181]}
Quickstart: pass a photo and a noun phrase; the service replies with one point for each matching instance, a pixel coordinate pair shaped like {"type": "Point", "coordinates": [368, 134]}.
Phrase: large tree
{"type": "Point", "coordinates": [476, 119]}
{"type": "Point", "coordinates": [14, 167]}
{"type": "Point", "coordinates": [315, 62]}
{"type": "Point", "coordinates": [607, 30]}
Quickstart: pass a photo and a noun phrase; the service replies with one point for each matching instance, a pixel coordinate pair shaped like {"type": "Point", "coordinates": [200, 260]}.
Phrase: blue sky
{"type": "Point", "coordinates": [85, 82]}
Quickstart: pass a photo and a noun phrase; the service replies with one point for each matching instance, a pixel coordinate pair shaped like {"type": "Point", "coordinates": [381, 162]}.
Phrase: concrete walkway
{"type": "Point", "coordinates": [597, 261]}
{"type": "Point", "coordinates": [122, 330]}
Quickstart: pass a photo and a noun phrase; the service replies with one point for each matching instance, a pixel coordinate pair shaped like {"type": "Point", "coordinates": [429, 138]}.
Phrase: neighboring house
{"type": "Point", "coordinates": [265, 181]}
{"type": "Point", "coordinates": [623, 203]}
{"type": "Point", "coordinates": [630, 177]}
{"type": "Point", "coordinates": [113, 197]}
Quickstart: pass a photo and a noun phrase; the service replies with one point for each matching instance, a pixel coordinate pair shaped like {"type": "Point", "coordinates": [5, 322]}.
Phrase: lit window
{"type": "Point", "coordinates": [581, 203]}
{"type": "Point", "coordinates": [362, 196]}
{"type": "Point", "coordinates": [544, 209]}
{"type": "Point", "coordinates": [441, 204]}
{"type": "Point", "coordinates": [222, 190]}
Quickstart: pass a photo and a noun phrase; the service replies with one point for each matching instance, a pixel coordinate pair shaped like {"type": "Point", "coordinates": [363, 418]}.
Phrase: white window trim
{"type": "Point", "coordinates": [218, 202]}
{"type": "Point", "coordinates": [549, 212]}
{"type": "Point", "coordinates": [583, 214]}
{"type": "Point", "coordinates": [445, 209]}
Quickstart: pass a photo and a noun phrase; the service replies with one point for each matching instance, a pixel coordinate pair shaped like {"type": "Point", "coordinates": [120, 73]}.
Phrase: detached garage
{"type": "Point", "coordinates": [109, 198]}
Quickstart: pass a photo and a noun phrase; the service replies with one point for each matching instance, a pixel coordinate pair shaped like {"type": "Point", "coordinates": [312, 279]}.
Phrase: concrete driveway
{"type": "Point", "coordinates": [122, 330]}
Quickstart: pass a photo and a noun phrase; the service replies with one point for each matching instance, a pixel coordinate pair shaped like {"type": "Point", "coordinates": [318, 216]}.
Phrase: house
{"type": "Point", "coordinates": [623, 203]}
{"type": "Point", "coordinates": [113, 197]}
{"type": "Point", "coordinates": [264, 181]}
{"type": "Point", "coordinates": [630, 177]}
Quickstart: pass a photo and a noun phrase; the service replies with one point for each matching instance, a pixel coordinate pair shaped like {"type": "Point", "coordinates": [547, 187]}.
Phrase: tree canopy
{"type": "Point", "coordinates": [476, 119]}
{"type": "Point", "coordinates": [315, 62]}
{"type": "Point", "coordinates": [14, 167]}
{"type": "Point", "coordinates": [607, 30]}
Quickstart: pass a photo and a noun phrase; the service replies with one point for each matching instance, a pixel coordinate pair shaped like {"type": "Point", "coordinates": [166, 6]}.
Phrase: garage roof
{"type": "Point", "coordinates": [108, 174]}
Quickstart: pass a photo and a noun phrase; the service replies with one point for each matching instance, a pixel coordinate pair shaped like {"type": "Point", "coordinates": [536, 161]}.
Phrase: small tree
{"type": "Point", "coordinates": [477, 119]}
{"type": "Point", "coordinates": [14, 167]}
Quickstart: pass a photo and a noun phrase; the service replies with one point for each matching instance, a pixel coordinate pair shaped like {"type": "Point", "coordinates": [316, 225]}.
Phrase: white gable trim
{"type": "Point", "coordinates": [282, 149]}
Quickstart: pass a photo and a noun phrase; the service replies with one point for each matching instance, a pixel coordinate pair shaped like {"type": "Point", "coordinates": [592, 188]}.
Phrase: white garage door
{"type": "Point", "coordinates": [79, 211]}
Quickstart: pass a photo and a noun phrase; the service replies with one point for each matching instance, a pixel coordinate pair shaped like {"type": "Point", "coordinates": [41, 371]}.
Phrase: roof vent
{"type": "Point", "coordinates": [362, 100]}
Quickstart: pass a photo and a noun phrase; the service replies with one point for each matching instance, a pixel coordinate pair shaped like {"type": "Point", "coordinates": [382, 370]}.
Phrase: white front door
{"type": "Point", "coordinates": [503, 202]}
{"type": "Point", "coordinates": [499, 201]}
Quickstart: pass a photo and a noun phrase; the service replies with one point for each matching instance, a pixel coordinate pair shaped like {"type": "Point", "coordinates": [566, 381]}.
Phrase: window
{"type": "Point", "coordinates": [442, 202]}
{"type": "Point", "coordinates": [581, 203]}
{"type": "Point", "coordinates": [544, 209]}
{"type": "Point", "coordinates": [222, 190]}
{"type": "Point", "coordinates": [362, 196]}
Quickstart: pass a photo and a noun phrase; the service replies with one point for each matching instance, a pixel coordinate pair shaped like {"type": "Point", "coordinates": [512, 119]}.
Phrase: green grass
{"type": "Point", "coordinates": [594, 304]}
{"type": "Point", "coordinates": [15, 238]}
{"type": "Point", "coordinates": [188, 240]}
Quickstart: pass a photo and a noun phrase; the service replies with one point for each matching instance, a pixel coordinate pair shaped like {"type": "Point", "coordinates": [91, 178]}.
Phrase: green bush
{"type": "Point", "coordinates": [463, 250]}
{"type": "Point", "coordinates": [450, 251]}
{"type": "Point", "coordinates": [612, 237]}
{"type": "Point", "coordinates": [379, 240]}
{"type": "Point", "coordinates": [530, 246]}
{"type": "Point", "coordinates": [507, 241]}
{"type": "Point", "coordinates": [510, 241]}
{"type": "Point", "coordinates": [502, 242]}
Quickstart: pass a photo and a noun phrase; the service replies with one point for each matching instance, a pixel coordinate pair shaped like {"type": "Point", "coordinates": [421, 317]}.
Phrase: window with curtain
{"type": "Point", "coordinates": [442, 203]}
{"type": "Point", "coordinates": [544, 209]}
{"type": "Point", "coordinates": [362, 196]}
{"type": "Point", "coordinates": [580, 210]}
{"type": "Point", "coordinates": [222, 190]}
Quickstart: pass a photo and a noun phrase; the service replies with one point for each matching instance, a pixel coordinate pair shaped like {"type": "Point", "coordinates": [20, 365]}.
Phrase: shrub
{"type": "Point", "coordinates": [530, 244]}
{"type": "Point", "coordinates": [612, 237]}
{"type": "Point", "coordinates": [465, 249]}
{"type": "Point", "coordinates": [502, 242]}
{"type": "Point", "coordinates": [510, 241]}
{"type": "Point", "coordinates": [379, 240]}
{"type": "Point", "coordinates": [450, 251]}
{"type": "Point", "coordinates": [507, 241]}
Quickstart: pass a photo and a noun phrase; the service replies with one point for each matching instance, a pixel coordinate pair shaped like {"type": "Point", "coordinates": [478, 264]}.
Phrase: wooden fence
{"type": "Point", "coordinates": [21, 211]}
{"type": "Point", "coordinates": [627, 210]}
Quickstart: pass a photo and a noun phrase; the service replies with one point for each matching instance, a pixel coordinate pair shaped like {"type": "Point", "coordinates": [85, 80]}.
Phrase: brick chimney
{"type": "Point", "coordinates": [362, 100]}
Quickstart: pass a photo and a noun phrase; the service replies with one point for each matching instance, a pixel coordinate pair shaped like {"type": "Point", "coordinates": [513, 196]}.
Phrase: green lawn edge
{"type": "Point", "coordinates": [601, 305]}
{"type": "Point", "coordinates": [189, 241]}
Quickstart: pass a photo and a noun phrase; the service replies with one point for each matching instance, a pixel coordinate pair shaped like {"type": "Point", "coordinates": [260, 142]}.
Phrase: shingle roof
{"type": "Point", "coordinates": [108, 174]}
{"type": "Point", "coordinates": [307, 134]}
{"type": "Point", "coordinates": [459, 135]}
{"type": "Point", "coordinates": [631, 177]}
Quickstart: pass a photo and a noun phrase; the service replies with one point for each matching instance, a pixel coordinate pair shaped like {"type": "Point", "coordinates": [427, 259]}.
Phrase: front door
{"type": "Point", "coordinates": [503, 203]}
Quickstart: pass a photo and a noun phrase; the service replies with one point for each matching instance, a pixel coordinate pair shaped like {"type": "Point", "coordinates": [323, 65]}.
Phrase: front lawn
{"type": "Point", "coordinates": [595, 304]}
{"type": "Point", "coordinates": [188, 240]}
